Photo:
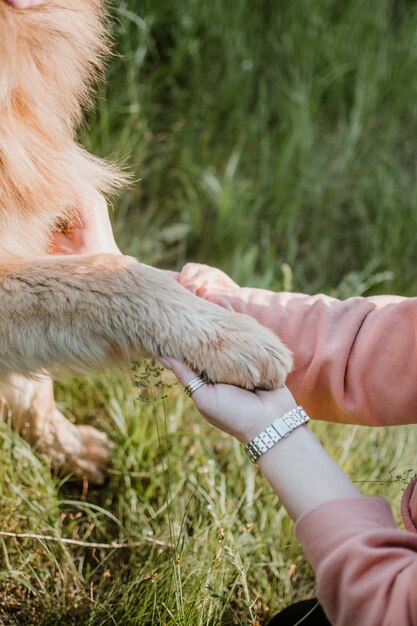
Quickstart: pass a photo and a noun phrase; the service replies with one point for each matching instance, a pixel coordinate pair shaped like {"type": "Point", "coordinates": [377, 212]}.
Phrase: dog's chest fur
{"type": "Point", "coordinates": [48, 57]}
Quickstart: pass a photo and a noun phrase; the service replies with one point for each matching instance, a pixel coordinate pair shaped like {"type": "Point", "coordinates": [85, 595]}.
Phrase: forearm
{"type": "Point", "coordinates": [303, 475]}
{"type": "Point", "coordinates": [365, 565]}
{"type": "Point", "coordinates": [344, 351]}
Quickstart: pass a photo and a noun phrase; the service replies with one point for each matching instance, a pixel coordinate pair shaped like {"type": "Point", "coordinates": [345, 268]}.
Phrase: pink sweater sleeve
{"type": "Point", "coordinates": [366, 567]}
{"type": "Point", "coordinates": [353, 359]}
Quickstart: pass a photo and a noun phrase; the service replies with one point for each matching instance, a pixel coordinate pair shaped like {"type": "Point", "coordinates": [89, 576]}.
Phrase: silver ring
{"type": "Point", "coordinates": [194, 384]}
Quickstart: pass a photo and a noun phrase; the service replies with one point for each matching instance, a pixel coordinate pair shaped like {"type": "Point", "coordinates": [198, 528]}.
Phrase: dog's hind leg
{"type": "Point", "coordinates": [30, 407]}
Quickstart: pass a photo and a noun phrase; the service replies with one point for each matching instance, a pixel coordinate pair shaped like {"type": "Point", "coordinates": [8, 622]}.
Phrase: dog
{"type": "Point", "coordinates": [61, 312]}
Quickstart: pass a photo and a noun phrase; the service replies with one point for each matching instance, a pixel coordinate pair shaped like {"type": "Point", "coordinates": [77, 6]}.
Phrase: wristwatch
{"type": "Point", "coordinates": [279, 429]}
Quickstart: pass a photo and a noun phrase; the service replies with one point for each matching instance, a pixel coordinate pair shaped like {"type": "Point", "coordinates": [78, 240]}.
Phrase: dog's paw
{"type": "Point", "coordinates": [82, 451]}
{"type": "Point", "coordinates": [244, 354]}
{"type": "Point", "coordinates": [93, 459]}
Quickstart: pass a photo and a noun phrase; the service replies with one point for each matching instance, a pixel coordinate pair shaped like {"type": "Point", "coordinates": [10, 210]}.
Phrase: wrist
{"type": "Point", "coordinates": [250, 430]}
{"type": "Point", "coordinates": [280, 429]}
{"type": "Point", "coordinates": [303, 475]}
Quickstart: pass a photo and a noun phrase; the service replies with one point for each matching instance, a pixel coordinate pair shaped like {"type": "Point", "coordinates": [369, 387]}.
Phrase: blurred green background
{"type": "Point", "coordinates": [264, 133]}
{"type": "Point", "coordinates": [277, 140]}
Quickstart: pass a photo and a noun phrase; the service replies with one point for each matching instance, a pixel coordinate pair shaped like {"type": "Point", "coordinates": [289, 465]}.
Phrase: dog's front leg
{"type": "Point", "coordinates": [29, 406]}
{"type": "Point", "coordinates": [83, 312]}
{"type": "Point", "coordinates": [80, 312]}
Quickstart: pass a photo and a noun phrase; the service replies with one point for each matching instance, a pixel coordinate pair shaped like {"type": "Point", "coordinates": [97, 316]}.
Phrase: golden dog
{"type": "Point", "coordinates": [84, 312]}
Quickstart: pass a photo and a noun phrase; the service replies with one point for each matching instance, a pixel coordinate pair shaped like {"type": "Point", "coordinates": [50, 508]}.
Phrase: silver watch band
{"type": "Point", "coordinates": [279, 429]}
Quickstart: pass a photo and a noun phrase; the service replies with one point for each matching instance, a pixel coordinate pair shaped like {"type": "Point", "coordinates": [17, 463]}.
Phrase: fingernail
{"type": "Point", "coordinates": [165, 362]}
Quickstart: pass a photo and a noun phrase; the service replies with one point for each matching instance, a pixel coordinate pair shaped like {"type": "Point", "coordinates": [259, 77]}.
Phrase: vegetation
{"type": "Point", "coordinates": [276, 140]}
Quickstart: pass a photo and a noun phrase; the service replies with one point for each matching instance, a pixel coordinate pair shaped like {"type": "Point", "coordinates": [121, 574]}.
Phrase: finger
{"type": "Point", "coordinates": [206, 397]}
{"type": "Point", "coordinates": [219, 404]}
{"type": "Point", "coordinates": [181, 371]}
{"type": "Point", "coordinates": [196, 277]}
{"type": "Point", "coordinates": [172, 274]}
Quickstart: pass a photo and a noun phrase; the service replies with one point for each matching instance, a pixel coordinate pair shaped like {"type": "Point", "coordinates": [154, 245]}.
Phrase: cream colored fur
{"type": "Point", "coordinates": [82, 312]}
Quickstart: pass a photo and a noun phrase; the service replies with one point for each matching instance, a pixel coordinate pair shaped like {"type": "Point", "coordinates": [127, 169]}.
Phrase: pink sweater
{"type": "Point", "coordinates": [353, 364]}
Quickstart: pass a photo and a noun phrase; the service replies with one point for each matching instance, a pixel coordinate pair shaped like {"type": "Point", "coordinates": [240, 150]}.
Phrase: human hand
{"type": "Point", "coordinates": [239, 412]}
{"type": "Point", "coordinates": [301, 473]}
{"type": "Point", "coordinates": [89, 231]}
{"type": "Point", "coordinates": [199, 279]}
{"type": "Point", "coordinates": [213, 285]}
{"type": "Point", "coordinates": [171, 273]}
{"type": "Point", "coordinates": [24, 4]}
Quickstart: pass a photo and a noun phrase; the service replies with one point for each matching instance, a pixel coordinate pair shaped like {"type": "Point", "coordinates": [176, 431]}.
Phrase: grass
{"type": "Point", "coordinates": [207, 541]}
{"type": "Point", "coordinates": [276, 141]}
{"type": "Point", "coordinates": [278, 134]}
